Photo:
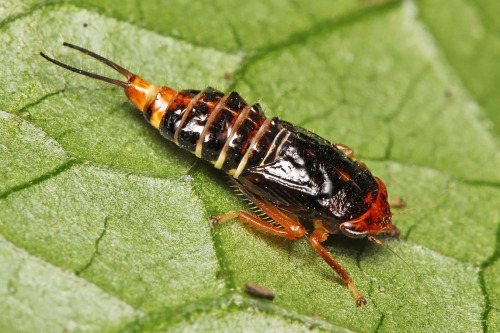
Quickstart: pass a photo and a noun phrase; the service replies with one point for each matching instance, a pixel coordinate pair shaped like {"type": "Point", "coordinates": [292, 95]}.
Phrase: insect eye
{"type": "Point", "coordinates": [349, 229]}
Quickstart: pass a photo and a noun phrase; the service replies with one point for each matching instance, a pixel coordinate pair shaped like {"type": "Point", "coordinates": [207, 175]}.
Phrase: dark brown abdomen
{"type": "Point", "coordinates": [221, 129]}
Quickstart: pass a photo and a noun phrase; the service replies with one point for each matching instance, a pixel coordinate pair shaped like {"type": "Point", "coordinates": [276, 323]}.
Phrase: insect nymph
{"type": "Point", "coordinates": [293, 176]}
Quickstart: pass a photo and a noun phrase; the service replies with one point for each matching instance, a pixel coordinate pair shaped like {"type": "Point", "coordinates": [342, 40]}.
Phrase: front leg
{"type": "Point", "coordinates": [319, 235]}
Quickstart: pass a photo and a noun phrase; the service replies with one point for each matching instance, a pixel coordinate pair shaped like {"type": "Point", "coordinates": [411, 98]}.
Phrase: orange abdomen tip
{"type": "Point", "coordinates": [141, 93]}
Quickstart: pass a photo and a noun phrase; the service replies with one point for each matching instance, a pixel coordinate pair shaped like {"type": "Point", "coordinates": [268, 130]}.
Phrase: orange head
{"type": "Point", "coordinates": [377, 219]}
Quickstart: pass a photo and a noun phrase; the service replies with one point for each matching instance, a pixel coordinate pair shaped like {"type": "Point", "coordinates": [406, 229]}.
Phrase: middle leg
{"type": "Point", "coordinates": [288, 227]}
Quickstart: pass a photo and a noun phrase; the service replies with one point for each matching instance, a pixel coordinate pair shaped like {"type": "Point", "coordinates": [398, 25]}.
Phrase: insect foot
{"type": "Point", "coordinates": [215, 219]}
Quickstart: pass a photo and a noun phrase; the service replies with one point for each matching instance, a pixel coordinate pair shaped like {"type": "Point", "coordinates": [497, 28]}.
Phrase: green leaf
{"type": "Point", "coordinates": [472, 47]}
{"type": "Point", "coordinates": [104, 225]}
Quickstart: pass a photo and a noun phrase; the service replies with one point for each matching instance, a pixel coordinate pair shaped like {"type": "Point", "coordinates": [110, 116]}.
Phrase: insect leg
{"type": "Point", "coordinates": [393, 232]}
{"type": "Point", "coordinates": [349, 152]}
{"type": "Point", "coordinates": [397, 202]}
{"type": "Point", "coordinates": [318, 236]}
{"type": "Point", "coordinates": [345, 149]}
{"type": "Point", "coordinates": [287, 227]}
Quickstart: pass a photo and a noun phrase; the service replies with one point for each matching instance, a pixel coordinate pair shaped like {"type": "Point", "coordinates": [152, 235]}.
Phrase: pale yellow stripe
{"type": "Point", "coordinates": [271, 146]}
{"type": "Point", "coordinates": [241, 118]}
{"type": "Point", "coordinates": [263, 128]}
{"type": "Point", "coordinates": [276, 155]}
{"type": "Point", "coordinates": [189, 108]}
{"type": "Point", "coordinates": [210, 120]}
{"type": "Point", "coordinates": [157, 115]}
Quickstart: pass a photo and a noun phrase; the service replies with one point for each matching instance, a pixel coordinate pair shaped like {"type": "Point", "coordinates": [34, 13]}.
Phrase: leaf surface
{"type": "Point", "coordinates": [104, 224]}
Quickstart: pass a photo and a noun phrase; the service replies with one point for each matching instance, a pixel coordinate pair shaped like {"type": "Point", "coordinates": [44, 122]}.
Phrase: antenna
{"type": "Point", "coordinates": [373, 239]}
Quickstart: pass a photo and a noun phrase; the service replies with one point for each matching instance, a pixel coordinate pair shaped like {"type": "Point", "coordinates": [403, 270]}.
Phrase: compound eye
{"type": "Point", "coordinates": [349, 229]}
